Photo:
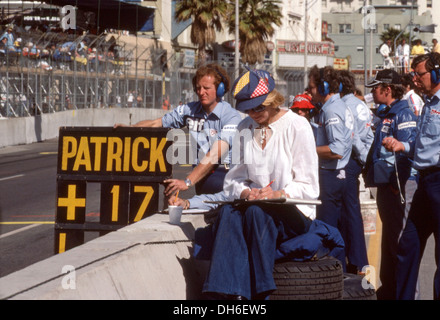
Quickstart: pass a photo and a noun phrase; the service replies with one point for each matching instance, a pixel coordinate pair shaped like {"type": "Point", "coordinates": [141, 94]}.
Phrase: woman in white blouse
{"type": "Point", "coordinates": [274, 156]}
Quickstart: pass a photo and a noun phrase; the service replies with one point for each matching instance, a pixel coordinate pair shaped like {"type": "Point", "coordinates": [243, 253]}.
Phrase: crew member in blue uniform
{"type": "Point", "coordinates": [398, 121]}
{"type": "Point", "coordinates": [424, 215]}
{"type": "Point", "coordinates": [211, 123]}
{"type": "Point", "coordinates": [334, 140]}
{"type": "Point", "coordinates": [351, 225]}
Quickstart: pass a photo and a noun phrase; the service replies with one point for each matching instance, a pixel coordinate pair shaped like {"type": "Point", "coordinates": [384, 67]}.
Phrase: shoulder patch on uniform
{"type": "Point", "coordinates": [406, 125]}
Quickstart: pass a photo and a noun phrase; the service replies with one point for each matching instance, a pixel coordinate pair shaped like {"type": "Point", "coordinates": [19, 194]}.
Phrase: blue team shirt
{"type": "Point", "coordinates": [335, 129]}
{"type": "Point", "coordinates": [363, 134]}
{"type": "Point", "coordinates": [426, 147]}
{"type": "Point", "coordinates": [204, 129]}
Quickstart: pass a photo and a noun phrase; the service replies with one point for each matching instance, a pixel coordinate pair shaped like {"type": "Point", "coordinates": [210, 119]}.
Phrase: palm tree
{"type": "Point", "coordinates": [207, 18]}
{"type": "Point", "coordinates": [256, 25]}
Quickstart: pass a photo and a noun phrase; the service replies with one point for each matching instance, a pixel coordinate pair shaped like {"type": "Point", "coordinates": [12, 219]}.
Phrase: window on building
{"type": "Point", "coordinates": [360, 48]}
{"type": "Point", "coordinates": [397, 26]}
{"type": "Point", "coordinates": [329, 28]}
{"type": "Point", "coordinates": [386, 26]}
{"type": "Point", "coordinates": [429, 3]}
{"type": "Point", "coordinates": [345, 28]}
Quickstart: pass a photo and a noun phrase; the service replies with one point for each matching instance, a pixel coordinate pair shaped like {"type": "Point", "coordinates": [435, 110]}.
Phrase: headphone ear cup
{"type": "Point", "coordinates": [435, 72]}
{"type": "Point", "coordinates": [221, 90]}
{"type": "Point", "coordinates": [323, 88]}
{"type": "Point", "coordinates": [382, 110]}
{"type": "Point", "coordinates": [435, 76]}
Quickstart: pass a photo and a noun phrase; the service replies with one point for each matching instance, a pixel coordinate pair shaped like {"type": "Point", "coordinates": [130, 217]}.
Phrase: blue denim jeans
{"type": "Point", "coordinates": [243, 253]}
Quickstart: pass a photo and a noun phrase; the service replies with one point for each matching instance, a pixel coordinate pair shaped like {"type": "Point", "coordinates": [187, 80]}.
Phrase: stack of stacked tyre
{"type": "Point", "coordinates": [321, 279]}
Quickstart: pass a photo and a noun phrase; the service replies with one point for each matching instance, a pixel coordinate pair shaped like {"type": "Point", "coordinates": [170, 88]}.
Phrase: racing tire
{"type": "Point", "coordinates": [353, 289]}
{"type": "Point", "coordinates": [308, 280]}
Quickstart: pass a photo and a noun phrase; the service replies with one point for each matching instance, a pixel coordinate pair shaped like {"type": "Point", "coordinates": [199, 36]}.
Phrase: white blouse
{"type": "Point", "coordinates": [289, 159]}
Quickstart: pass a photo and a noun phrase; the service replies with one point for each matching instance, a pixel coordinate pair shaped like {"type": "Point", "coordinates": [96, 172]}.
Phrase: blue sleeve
{"type": "Point", "coordinates": [339, 136]}
{"type": "Point", "coordinates": [176, 118]}
{"type": "Point", "coordinates": [229, 122]}
{"type": "Point", "coordinates": [197, 202]}
{"type": "Point", "coordinates": [406, 127]}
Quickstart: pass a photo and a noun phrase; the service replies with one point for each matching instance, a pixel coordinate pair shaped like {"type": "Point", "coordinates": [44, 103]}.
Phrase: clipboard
{"type": "Point", "coordinates": [274, 201]}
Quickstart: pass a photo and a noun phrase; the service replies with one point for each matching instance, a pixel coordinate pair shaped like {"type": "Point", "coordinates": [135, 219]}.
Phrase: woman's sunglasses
{"type": "Point", "coordinates": [260, 108]}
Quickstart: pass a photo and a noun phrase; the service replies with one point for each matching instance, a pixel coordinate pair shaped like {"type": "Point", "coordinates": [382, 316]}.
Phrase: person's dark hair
{"type": "Point", "coordinates": [346, 78]}
{"type": "Point", "coordinates": [397, 90]}
{"type": "Point", "coordinates": [214, 70]}
{"type": "Point", "coordinates": [407, 80]}
{"type": "Point", "coordinates": [327, 74]}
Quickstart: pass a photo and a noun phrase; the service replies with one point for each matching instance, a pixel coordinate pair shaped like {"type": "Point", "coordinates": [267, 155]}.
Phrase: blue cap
{"type": "Point", "coordinates": [252, 88]}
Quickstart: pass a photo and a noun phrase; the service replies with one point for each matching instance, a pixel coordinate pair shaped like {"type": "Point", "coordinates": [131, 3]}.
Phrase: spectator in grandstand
{"type": "Point", "coordinates": [402, 55]}
{"type": "Point", "coordinates": [417, 49]}
{"type": "Point", "coordinates": [435, 46]}
{"type": "Point", "coordinates": [385, 51]}
{"type": "Point", "coordinates": [9, 39]}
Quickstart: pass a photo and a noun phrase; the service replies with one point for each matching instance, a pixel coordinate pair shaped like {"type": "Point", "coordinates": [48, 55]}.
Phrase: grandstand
{"type": "Point", "coordinates": [101, 63]}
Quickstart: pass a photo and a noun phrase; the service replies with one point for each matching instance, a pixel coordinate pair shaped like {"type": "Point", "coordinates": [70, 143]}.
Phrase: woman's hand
{"type": "Point", "coordinates": [174, 185]}
{"type": "Point", "coordinates": [173, 201]}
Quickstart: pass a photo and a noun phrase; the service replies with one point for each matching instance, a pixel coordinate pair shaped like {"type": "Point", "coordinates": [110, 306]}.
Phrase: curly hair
{"type": "Point", "coordinates": [214, 70]}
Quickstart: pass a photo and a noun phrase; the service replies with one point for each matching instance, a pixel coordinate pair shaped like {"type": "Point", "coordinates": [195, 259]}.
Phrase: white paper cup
{"type": "Point", "coordinates": [175, 213]}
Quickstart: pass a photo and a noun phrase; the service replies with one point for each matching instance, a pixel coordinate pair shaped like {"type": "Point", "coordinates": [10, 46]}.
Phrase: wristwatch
{"type": "Point", "coordinates": [188, 182]}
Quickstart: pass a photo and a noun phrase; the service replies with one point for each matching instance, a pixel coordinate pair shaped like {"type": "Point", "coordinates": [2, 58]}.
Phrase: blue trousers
{"type": "Point", "coordinates": [351, 224]}
{"type": "Point", "coordinates": [213, 182]}
{"type": "Point", "coordinates": [423, 220]}
{"type": "Point", "coordinates": [331, 185]}
{"type": "Point", "coordinates": [392, 213]}
{"type": "Point", "coordinates": [243, 253]}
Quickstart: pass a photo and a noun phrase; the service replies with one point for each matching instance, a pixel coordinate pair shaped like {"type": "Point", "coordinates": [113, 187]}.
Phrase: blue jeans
{"type": "Point", "coordinates": [423, 220]}
{"type": "Point", "coordinates": [243, 253]}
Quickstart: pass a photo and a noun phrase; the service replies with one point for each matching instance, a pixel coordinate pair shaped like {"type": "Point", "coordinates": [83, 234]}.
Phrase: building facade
{"type": "Point", "coordinates": [345, 20]}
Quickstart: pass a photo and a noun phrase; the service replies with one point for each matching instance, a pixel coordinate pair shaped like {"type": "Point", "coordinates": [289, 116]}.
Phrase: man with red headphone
{"type": "Point", "coordinates": [424, 215]}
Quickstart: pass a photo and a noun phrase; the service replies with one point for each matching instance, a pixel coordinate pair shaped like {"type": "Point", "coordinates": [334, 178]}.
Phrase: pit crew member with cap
{"type": "Point", "coordinates": [276, 158]}
{"type": "Point", "coordinates": [398, 121]}
{"type": "Point", "coordinates": [212, 124]}
{"type": "Point", "coordinates": [351, 225]}
{"type": "Point", "coordinates": [334, 141]}
{"type": "Point", "coordinates": [424, 215]}
{"type": "Point", "coordinates": [302, 105]}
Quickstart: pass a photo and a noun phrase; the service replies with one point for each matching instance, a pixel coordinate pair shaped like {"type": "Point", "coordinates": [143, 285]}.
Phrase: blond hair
{"type": "Point", "coordinates": [274, 99]}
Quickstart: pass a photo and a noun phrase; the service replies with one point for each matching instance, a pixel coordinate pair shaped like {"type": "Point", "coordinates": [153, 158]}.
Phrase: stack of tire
{"type": "Point", "coordinates": [321, 279]}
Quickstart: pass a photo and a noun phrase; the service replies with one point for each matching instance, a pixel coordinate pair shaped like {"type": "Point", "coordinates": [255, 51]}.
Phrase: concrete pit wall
{"type": "Point", "coordinates": [25, 130]}
{"type": "Point", "coordinates": [150, 259]}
